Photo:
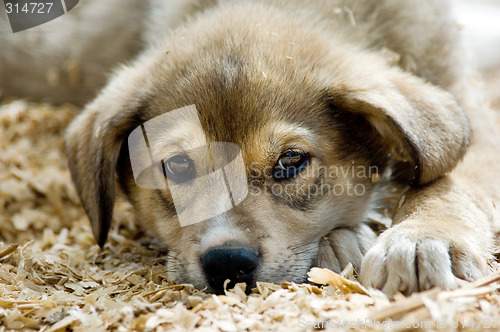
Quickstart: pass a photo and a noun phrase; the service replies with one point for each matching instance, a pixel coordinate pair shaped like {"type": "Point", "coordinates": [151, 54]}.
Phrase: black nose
{"type": "Point", "coordinates": [228, 262]}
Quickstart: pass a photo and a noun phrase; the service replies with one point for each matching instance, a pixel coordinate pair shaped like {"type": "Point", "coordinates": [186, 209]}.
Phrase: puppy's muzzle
{"type": "Point", "coordinates": [229, 261]}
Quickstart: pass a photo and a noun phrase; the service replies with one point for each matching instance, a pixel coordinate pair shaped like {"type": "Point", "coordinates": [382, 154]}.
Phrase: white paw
{"type": "Point", "coordinates": [345, 245]}
{"type": "Point", "coordinates": [399, 263]}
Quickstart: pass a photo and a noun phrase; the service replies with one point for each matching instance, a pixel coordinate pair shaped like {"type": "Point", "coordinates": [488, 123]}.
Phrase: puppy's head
{"type": "Point", "coordinates": [304, 121]}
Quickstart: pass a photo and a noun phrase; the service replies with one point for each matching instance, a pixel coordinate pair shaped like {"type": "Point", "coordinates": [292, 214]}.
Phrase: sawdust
{"type": "Point", "coordinates": [54, 278]}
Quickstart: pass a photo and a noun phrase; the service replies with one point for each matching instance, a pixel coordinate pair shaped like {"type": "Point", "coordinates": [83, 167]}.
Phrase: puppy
{"type": "Point", "coordinates": [314, 107]}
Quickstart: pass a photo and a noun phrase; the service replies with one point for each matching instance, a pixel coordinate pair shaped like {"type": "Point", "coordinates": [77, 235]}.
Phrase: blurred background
{"type": "Point", "coordinates": [481, 25]}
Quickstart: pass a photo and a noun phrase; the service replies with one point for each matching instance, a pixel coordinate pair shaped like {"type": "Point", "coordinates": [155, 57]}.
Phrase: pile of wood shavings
{"type": "Point", "coordinates": [54, 278]}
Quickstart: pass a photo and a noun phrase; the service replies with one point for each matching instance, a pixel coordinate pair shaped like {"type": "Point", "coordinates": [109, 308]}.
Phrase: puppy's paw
{"type": "Point", "coordinates": [345, 245]}
{"type": "Point", "coordinates": [402, 261]}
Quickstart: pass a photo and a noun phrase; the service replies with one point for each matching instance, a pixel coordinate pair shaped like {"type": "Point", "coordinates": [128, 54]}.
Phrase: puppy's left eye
{"type": "Point", "coordinates": [179, 169]}
{"type": "Point", "coordinates": [290, 164]}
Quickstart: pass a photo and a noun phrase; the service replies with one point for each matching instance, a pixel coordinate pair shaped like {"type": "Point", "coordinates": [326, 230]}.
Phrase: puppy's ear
{"type": "Point", "coordinates": [93, 144]}
{"type": "Point", "coordinates": [423, 122]}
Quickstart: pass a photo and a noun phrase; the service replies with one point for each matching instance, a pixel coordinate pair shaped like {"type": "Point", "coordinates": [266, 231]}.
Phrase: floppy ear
{"type": "Point", "coordinates": [94, 140]}
{"type": "Point", "coordinates": [422, 121]}
{"type": "Point", "coordinates": [93, 145]}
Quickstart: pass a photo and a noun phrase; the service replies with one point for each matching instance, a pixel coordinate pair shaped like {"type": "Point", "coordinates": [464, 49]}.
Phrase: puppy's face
{"type": "Point", "coordinates": [301, 175]}
{"type": "Point", "coordinates": [310, 127]}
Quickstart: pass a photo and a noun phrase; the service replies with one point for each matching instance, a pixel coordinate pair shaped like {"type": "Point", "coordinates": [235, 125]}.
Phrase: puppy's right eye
{"type": "Point", "coordinates": [179, 169]}
{"type": "Point", "coordinates": [290, 164]}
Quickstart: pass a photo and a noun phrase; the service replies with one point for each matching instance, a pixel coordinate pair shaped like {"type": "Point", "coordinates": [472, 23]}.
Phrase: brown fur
{"type": "Point", "coordinates": [350, 83]}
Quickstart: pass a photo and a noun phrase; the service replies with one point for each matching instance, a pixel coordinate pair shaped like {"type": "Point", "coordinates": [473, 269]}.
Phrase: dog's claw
{"type": "Point", "coordinates": [405, 262]}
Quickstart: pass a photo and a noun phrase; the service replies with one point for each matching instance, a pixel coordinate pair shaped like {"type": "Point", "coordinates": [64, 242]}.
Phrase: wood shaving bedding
{"type": "Point", "coordinates": [54, 278]}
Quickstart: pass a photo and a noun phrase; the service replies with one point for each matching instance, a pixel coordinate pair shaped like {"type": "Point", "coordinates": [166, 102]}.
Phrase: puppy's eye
{"type": "Point", "coordinates": [179, 169]}
{"type": "Point", "coordinates": [290, 164]}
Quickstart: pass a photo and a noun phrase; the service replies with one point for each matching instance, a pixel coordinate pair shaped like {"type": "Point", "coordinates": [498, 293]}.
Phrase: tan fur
{"type": "Point", "coordinates": [353, 84]}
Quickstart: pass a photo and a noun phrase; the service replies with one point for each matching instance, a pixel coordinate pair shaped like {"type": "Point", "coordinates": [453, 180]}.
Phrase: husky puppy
{"type": "Point", "coordinates": [325, 101]}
